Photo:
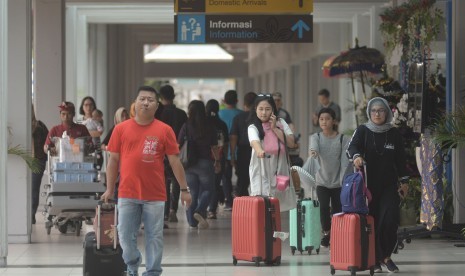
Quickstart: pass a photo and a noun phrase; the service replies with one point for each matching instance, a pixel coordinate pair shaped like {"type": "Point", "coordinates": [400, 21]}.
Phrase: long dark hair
{"type": "Point", "coordinates": [212, 107]}
{"type": "Point", "coordinates": [197, 118]}
{"type": "Point", "coordinates": [253, 118]}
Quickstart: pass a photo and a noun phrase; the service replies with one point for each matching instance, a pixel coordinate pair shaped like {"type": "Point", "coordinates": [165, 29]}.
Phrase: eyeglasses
{"type": "Point", "coordinates": [378, 111]}
{"type": "Point", "coordinates": [264, 95]}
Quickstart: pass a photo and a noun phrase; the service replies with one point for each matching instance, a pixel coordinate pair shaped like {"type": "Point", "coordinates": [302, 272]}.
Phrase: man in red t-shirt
{"type": "Point", "coordinates": [67, 113]}
{"type": "Point", "coordinates": [137, 148]}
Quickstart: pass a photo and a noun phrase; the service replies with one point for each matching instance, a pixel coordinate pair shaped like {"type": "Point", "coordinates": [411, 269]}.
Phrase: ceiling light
{"type": "Point", "coordinates": [188, 53]}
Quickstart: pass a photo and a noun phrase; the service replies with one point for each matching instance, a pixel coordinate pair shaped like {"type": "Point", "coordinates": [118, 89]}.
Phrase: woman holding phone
{"type": "Point", "coordinates": [268, 136]}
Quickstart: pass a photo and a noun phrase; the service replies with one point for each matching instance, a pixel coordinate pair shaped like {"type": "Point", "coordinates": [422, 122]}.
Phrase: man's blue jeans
{"type": "Point", "coordinates": [131, 213]}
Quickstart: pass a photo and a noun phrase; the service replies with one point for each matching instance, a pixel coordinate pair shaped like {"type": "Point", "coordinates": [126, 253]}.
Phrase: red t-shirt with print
{"type": "Point", "coordinates": [142, 149]}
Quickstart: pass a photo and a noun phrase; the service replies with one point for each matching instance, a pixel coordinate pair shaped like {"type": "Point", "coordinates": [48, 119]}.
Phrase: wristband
{"type": "Point", "coordinates": [185, 190]}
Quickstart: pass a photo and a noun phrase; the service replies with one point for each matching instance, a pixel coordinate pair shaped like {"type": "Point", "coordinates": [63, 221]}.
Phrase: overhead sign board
{"type": "Point", "coordinates": [244, 6]}
{"type": "Point", "coordinates": [201, 28]}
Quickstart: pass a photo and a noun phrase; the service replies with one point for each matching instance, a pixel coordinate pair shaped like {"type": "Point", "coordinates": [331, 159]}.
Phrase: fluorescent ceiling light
{"type": "Point", "coordinates": [188, 53]}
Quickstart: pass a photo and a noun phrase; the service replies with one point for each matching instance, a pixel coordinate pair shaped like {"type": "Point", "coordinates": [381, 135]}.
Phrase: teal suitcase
{"type": "Point", "coordinates": [305, 227]}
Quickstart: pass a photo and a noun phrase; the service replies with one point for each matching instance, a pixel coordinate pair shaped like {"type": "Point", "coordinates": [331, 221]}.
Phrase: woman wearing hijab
{"type": "Point", "coordinates": [380, 145]}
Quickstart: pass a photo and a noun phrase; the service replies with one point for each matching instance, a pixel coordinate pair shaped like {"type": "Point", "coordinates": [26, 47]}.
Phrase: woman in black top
{"type": "Point", "coordinates": [200, 174]}
{"type": "Point", "coordinates": [380, 144]}
{"type": "Point", "coordinates": [212, 108]}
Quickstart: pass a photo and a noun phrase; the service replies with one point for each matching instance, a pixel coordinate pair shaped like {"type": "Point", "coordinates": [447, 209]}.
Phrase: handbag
{"type": "Point", "coordinates": [187, 153]}
{"type": "Point", "coordinates": [183, 153]}
{"type": "Point", "coordinates": [282, 181]}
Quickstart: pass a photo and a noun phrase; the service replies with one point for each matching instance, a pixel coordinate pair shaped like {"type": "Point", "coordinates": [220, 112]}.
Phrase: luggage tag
{"type": "Point", "coordinates": [281, 235]}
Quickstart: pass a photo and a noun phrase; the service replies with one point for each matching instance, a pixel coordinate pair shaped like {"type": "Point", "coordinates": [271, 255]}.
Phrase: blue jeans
{"type": "Point", "coordinates": [200, 179]}
{"type": "Point", "coordinates": [131, 213]}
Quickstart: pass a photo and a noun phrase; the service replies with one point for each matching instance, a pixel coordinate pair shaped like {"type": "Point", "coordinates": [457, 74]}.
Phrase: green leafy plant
{"type": "Point", "coordinates": [412, 25]}
{"type": "Point", "coordinates": [26, 155]}
{"type": "Point", "coordinates": [449, 131]}
{"type": "Point", "coordinates": [31, 162]}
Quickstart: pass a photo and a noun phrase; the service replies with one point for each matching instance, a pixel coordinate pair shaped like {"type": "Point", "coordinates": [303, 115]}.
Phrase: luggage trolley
{"type": "Point", "coordinates": [74, 187]}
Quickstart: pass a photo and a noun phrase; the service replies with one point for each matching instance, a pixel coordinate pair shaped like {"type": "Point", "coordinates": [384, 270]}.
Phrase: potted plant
{"type": "Point", "coordinates": [410, 204]}
{"type": "Point", "coordinates": [449, 132]}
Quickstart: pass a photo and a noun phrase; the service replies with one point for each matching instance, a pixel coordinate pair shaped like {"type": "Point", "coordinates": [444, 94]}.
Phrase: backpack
{"type": "Point", "coordinates": [354, 194]}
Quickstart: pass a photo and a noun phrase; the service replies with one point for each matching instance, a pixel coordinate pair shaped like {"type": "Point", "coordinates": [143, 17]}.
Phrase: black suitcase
{"type": "Point", "coordinates": [102, 260]}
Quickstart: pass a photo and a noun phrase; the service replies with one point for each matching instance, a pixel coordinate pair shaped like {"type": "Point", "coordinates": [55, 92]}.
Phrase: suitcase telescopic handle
{"type": "Point", "coordinates": [302, 220]}
{"type": "Point", "coordinates": [261, 161]}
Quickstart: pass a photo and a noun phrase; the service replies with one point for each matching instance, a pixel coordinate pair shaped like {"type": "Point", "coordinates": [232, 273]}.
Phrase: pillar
{"type": "Point", "coordinates": [3, 130]}
{"type": "Point", "coordinates": [19, 73]}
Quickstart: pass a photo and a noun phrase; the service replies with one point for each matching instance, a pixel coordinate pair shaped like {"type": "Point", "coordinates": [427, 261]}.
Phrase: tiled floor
{"type": "Point", "coordinates": [208, 252]}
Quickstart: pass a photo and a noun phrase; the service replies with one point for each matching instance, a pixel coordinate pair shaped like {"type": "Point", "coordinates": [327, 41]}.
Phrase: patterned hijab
{"type": "Point", "coordinates": [389, 116]}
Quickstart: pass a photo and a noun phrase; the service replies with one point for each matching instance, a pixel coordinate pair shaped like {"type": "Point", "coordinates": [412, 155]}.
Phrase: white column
{"type": "Point", "coordinates": [98, 45]}
{"type": "Point", "coordinates": [361, 29]}
{"type": "Point", "coordinates": [375, 35]}
{"type": "Point", "coordinates": [76, 56]}
{"type": "Point", "coordinates": [19, 118]}
{"type": "Point", "coordinates": [3, 130]}
{"type": "Point", "coordinates": [458, 95]}
{"type": "Point", "coordinates": [49, 59]}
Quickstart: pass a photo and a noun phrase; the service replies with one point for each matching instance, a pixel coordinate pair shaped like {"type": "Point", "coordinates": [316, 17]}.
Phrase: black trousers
{"type": "Point", "coordinates": [384, 208]}
{"type": "Point", "coordinates": [330, 203]}
{"type": "Point", "coordinates": [242, 165]}
{"type": "Point", "coordinates": [36, 182]}
{"type": "Point", "coordinates": [227, 183]}
{"type": "Point", "coordinates": [217, 195]}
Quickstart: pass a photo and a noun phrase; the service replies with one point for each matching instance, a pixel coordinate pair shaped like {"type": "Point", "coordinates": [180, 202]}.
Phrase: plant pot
{"type": "Point", "coordinates": [408, 216]}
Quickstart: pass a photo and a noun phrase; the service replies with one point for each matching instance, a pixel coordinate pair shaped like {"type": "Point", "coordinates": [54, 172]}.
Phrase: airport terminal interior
{"type": "Point", "coordinates": [107, 48]}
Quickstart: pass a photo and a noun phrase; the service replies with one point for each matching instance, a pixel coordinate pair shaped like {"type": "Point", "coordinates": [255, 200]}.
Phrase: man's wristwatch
{"type": "Point", "coordinates": [186, 190]}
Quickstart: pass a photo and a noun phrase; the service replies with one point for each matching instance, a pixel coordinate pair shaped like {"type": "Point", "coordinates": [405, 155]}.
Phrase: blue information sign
{"type": "Point", "coordinates": [206, 28]}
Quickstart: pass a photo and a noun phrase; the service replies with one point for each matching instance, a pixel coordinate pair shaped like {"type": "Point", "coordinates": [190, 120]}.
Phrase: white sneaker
{"type": "Point", "coordinates": [203, 224]}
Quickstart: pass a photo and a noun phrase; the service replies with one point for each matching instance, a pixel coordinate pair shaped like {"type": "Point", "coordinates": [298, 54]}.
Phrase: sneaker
{"type": "Point", "coordinates": [391, 266]}
{"type": "Point", "coordinates": [203, 224]}
{"type": "Point", "coordinates": [211, 215]}
{"type": "Point", "coordinates": [127, 273]}
{"type": "Point", "coordinates": [377, 268]}
{"type": "Point", "coordinates": [172, 216]}
{"type": "Point", "coordinates": [165, 226]}
{"type": "Point", "coordinates": [227, 208]}
{"type": "Point", "coordinates": [325, 240]}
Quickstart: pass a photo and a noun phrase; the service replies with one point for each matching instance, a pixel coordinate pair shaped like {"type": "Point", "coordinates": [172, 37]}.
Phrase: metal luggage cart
{"type": "Point", "coordinates": [72, 192]}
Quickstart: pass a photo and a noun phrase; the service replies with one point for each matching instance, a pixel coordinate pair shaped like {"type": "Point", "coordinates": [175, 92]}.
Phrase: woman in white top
{"type": "Point", "coordinates": [263, 121]}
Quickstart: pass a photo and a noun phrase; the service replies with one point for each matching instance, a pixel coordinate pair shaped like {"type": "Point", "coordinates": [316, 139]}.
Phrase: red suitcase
{"type": "Point", "coordinates": [254, 220]}
{"type": "Point", "coordinates": [352, 243]}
